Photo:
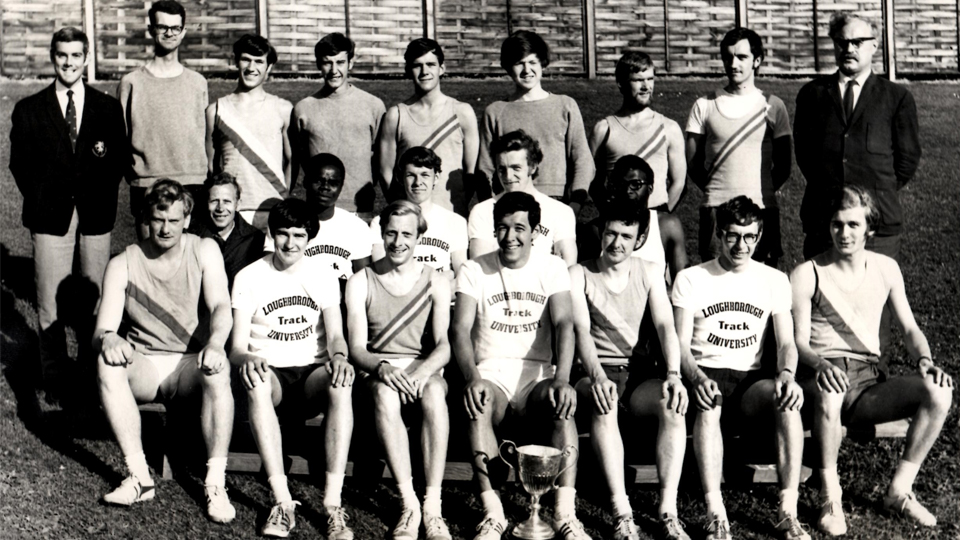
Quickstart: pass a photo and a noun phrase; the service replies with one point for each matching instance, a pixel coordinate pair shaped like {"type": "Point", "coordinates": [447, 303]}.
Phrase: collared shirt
{"type": "Point", "coordinates": [860, 79]}
{"type": "Point", "coordinates": [79, 93]}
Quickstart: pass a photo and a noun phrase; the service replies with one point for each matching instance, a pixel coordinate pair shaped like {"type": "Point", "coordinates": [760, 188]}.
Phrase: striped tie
{"type": "Point", "coordinates": [72, 120]}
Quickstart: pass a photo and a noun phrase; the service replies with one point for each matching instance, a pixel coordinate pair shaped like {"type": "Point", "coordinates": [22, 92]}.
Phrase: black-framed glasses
{"type": "Point", "coordinates": [639, 184]}
{"type": "Point", "coordinates": [164, 29]}
{"type": "Point", "coordinates": [856, 42]}
{"type": "Point", "coordinates": [732, 238]}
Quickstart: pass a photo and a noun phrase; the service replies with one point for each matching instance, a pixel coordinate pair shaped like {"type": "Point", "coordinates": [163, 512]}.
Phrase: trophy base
{"type": "Point", "coordinates": [533, 528]}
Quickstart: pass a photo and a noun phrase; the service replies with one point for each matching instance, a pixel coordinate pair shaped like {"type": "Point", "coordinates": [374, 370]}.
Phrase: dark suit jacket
{"type": "Point", "coordinates": [53, 178]}
{"type": "Point", "coordinates": [879, 150]}
{"type": "Point", "coordinates": [244, 246]}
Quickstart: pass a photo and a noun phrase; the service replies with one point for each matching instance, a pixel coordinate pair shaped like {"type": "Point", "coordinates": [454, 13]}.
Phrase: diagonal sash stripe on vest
{"type": "Point", "coordinates": [252, 151]}
{"type": "Point", "coordinates": [839, 325]}
{"type": "Point", "coordinates": [419, 302]}
{"type": "Point", "coordinates": [165, 317]}
{"type": "Point", "coordinates": [653, 144]}
{"type": "Point", "coordinates": [754, 123]}
{"type": "Point", "coordinates": [610, 330]}
{"type": "Point", "coordinates": [445, 130]}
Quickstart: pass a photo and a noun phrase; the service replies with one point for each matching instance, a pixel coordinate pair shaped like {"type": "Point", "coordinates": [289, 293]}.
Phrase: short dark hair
{"type": "Point", "coordinates": [740, 211]}
{"type": "Point", "coordinates": [627, 211]}
{"type": "Point", "coordinates": [627, 163]}
{"type": "Point", "coordinates": [170, 7]}
{"type": "Point", "coordinates": [403, 207]}
{"type": "Point", "coordinates": [163, 194]}
{"type": "Point", "coordinates": [420, 47]}
{"type": "Point", "coordinates": [630, 63]}
{"type": "Point", "coordinates": [518, 201]}
{"type": "Point", "coordinates": [255, 46]}
{"type": "Point", "coordinates": [421, 156]}
{"type": "Point", "coordinates": [293, 213]}
{"type": "Point", "coordinates": [221, 179]}
{"type": "Point", "coordinates": [321, 161]}
{"type": "Point", "coordinates": [332, 45]}
{"type": "Point", "coordinates": [842, 18]}
{"type": "Point", "coordinates": [739, 34]}
{"type": "Point", "coordinates": [854, 196]}
{"type": "Point", "coordinates": [522, 44]}
{"type": "Point", "coordinates": [518, 140]}
{"type": "Point", "coordinates": [69, 34]}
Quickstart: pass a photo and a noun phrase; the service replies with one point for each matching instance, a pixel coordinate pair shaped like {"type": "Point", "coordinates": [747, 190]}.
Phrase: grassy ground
{"type": "Point", "coordinates": [52, 471]}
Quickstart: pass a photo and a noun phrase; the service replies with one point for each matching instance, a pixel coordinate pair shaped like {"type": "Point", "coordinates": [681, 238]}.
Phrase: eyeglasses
{"type": "Point", "coordinates": [856, 42]}
{"type": "Point", "coordinates": [164, 29]}
{"type": "Point", "coordinates": [732, 238]}
{"type": "Point", "coordinates": [638, 184]}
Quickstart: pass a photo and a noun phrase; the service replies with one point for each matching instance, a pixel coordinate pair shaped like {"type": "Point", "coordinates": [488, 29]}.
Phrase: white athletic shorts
{"type": "Point", "coordinates": [169, 367]}
{"type": "Point", "coordinates": [516, 378]}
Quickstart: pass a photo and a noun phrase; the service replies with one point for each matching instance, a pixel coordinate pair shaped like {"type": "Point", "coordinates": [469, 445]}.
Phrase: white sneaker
{"type": "Point", "coordinates": [219, 508]}
{"type": "Point", "coordinates": [282, 520]}
{"type": "Point", "coordinates": [337, 528]}
{"type": "Point", "coordinates": [570, 528]}
{"type": "Point", "coordinates": [490, 528]}
{"type": "Point", "coordinates": [832, 521]}
{"type": "Point", "coordinates": [131, 491]}
{"type": "Point", "coordinates": [408, 527]}
{"type": "Point", "coordinates": [436, 529]}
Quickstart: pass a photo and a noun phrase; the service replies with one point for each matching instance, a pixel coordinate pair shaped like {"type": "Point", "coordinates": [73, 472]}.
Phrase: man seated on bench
{"type": "Point", "coordinates": [610, 295]}
{"type": "Point", "coordinates": [288, 343]}
{"type": "Point", "coordinates": [722, 308]}
{"type": "Point", "coordinates": [838, 297]}
{"type": "Point", "coordinates": [513, 306]}
{"type": "Point", "coordinates": [154, 287]}
{"type": "Point", "coordinates": [398, 312]}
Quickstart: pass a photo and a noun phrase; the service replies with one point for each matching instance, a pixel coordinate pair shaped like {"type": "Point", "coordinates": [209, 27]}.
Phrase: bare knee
{"type": "Point", "coordinates": [108, 375]}
{"type": "Point", "coordinates": [937, 398]}
{"type": "Point", "coordinates": [669, 417]}
{"type": "Point", "coordinates": [260, 394]}
{"type": "Point", "coordinates": [829, 405]}
{"type": "Point", "coordinates": [434, 400]}
{"type": "Point", "coordinates": [386, 400]}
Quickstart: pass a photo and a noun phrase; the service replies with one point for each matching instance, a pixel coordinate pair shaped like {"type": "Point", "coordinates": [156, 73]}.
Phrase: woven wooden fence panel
{"type": "Point", "coordinates": [629, 25]}
{"type": "Point", "coordinates": [926, 35]}
{"type": "Point", "coordinates": [212, 27]}
{"type": "Point", "coordinates": [471, 32]}
{"type": "Point", "coordinates": [27, 26]}
{"type": "Point", "coordinates": [696, 28]}
{"type": "Point", "coordinates": [560, 23]}
{"type": "Point", "coordinates": [295, 26]}
{"type": "Point", "coordinates": [786, 27]}
{"type": "Point", "coordinates": [382, 29]}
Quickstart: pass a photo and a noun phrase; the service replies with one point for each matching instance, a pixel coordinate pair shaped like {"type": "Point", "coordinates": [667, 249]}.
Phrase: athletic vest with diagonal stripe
{"type": "Point", "coordinates": [615, 317]}
{"type": "Point", "coordinates": [445, 138]}
{"type": "Point", "coordinates": [847, 323]}
{"type": "Point", "coordinates": [734, 156]}
{"type": "Point", "coordinates": [650, 144]}
{"type": "Point", "coordinates": [162, 313]}
{"type": "Point", "coordinates": [398, 326]}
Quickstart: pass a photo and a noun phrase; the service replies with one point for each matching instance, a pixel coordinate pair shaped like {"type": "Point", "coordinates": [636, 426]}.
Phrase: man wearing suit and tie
{"type": "Point", "coordinates": [852, 127]}
{"type": "Point", "coordinates": [68, 151]}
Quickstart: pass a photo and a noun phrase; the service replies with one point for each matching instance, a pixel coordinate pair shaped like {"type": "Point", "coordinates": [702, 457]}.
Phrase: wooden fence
{"type": "Point", "coordinates": [586, 37]}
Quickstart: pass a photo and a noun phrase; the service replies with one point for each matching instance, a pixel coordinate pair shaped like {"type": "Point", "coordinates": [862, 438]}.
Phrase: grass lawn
{"type": "Point", "coordinates": [52, 472]}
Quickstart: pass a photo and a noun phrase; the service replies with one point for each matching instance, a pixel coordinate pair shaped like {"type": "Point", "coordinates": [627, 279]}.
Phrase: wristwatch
{"type": "Point", "coordinates": [674, 372]}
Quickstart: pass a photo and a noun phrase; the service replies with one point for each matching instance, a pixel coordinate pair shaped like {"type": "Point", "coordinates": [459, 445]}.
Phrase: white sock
{"type": "Point", "coordinates": [565, 502]}
{"type": "Point", "coordinates": [715, 505]}
{"type": "Point", "coordinates": [788, 501]}
{"type": "Point", "coordinates": [621, 505]}
{"type": "Point", "coordinates": [903, 478]}
{"type": "Point", "coordinates": [830, 490]}
{"type": "Point", "coordinates": [332, 488]}
{"type": "Point", "coordinates": [668, 502]}
{"type": "Point", "coordinates": [492, 505]}
{"type": "Point", "coordinates": [431, 502]}
{"type": "Point", "coordinates": [278, 485]}
{"type": "Point", "coordinates": [408, 495]}
{"type": "Point", "coordinates": [137, 465]}
{"type": "Point", "coordinates": [216, 472]}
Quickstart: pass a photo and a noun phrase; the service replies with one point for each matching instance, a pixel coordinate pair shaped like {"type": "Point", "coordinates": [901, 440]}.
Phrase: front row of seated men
{"type": "Point", "coordinates": [520, 318]}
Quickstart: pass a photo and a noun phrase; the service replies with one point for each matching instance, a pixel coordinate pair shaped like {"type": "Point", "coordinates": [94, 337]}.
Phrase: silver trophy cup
{"type": "Point", "coordinates": [538, 468]}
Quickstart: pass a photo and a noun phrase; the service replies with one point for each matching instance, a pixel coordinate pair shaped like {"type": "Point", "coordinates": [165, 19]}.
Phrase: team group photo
{"type": "Point", "coordinates": [526, 306]}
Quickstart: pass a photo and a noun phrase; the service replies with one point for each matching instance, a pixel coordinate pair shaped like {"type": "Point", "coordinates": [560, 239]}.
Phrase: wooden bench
{"type": "Point", "coordinates": [249, 461]}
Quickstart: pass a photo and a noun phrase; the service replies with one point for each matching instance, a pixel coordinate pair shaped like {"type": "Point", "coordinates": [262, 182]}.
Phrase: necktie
{"type": "Point", "coordinates": [848, 99]}
{"type": "Point", "coordinates": [71, 118]}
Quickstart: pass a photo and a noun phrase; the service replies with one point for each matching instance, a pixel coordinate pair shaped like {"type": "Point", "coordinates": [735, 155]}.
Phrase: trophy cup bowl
{"type": "Point", "coordinates": [538, 468]}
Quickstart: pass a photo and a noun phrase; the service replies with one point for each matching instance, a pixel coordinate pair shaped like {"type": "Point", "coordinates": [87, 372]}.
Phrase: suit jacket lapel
{"type": "Point", "coordinates": [86, 112]}
{"type": "Point", "coordinates": [53, 109]}
{"type": "Point", "coordinates": [866, 94]}
{"type": "Point", "coordinates": [833, 88]}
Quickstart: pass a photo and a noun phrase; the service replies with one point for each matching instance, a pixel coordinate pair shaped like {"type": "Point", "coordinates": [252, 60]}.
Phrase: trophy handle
{"type": "Point", "coordinates": [568, 450]}
{"type": "Point", "coordinates": [508, 453]}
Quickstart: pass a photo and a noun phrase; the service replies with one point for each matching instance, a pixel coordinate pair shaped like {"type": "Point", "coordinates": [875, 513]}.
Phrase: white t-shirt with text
{"type": "Point", "coordinates": [557, 222]}
{"type": "Point", "coordinates": [446, 233]}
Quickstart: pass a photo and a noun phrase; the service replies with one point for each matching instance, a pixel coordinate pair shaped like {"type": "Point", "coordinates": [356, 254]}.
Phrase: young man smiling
{"type": "Point", "coordinates": [247, 132]}
{"type": "Point", "coordinates": [398, 311]}
{"type": "Point", "coordinates": [433, 120]}
{"type": "Point", "coordinates": [342, 120]}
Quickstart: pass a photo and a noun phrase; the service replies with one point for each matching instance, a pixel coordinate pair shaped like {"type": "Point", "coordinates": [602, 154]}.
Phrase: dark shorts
{"type": "Point", "coordinates": [769, 249]}
{"type": "Point", "coordinates": [627, 377]}
{"type": "Point", "coordinates": [292, 381]}
{"type": "Point", "coordinates": [862, 375]}
{"type": "Point", "coordinates": [733, 385]}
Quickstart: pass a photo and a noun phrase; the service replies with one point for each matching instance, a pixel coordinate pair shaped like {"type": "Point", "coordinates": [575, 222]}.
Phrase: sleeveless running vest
{"type": "Point", "coordinates": [650, 144]}
{"type": "Point", "coordinates": [847, 323]}
{"type": "Point", "coordinates": [445, 138]}
{"type": "Point", "coordinates": [397, 326]}
{"type": "Point", "coordinates": [615, 317]}
{"type": "Point", "coordinates": [162, 313]}
{"type": "Point", "coordinates": [735, 154]}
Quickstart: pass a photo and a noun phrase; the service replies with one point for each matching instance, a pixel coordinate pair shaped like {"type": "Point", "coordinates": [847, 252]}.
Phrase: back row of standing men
{"type": "Point", "coordinates": [737, 144]}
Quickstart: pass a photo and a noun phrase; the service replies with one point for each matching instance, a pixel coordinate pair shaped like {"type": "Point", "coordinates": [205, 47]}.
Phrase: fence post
{"type": "Point", "coordinates": [889, 45]}
{"type": "Point", "coordinates": [590, 38]}
{"type": "Point", "coordinates": [429, 19]}
{"type": "Point", "coordinates": [741, 13]}
{"type": "Point", "coordinates": [263, 24]}
{"type": "Point", "coordinates": [666, 35]}
{"type": "Point", "coordinates": [90, 29]}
